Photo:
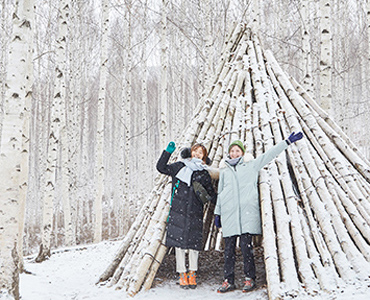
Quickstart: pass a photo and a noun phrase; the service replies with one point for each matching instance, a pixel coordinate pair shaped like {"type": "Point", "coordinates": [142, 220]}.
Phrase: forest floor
{"type": "Point", "coordinates": [71, 274]}
{"type": "Point", "coordinates": [211, 269]}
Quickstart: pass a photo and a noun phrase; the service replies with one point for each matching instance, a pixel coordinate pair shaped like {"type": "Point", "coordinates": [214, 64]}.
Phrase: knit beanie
{"type": "Point", "coordinates": [237, 143]}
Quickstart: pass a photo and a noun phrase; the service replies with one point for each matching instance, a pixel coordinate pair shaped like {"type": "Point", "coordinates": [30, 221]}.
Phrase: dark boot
{"type": "Point", "coordinates": [249, 284]}
{"type": "Point", "coordinates": [226, 287]}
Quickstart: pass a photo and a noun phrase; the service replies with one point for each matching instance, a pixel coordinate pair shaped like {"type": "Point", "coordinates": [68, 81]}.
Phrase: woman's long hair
{"type": "Point", "coordinates": [205, 152]}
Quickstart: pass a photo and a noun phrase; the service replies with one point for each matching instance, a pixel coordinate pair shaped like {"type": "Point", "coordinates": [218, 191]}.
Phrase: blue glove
{"type": "Point", "coordinates": [294, 137]}
{"type": "Point", "coordinates": [171, 147]}
{"type": "Point", "coordinates": [218, 221]}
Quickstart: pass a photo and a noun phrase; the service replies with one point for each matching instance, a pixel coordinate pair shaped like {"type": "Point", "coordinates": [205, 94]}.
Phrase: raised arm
{"type": "Point", "coordinates": [162, 164]}
{"type": "Point", "coordinates": [270, 154]}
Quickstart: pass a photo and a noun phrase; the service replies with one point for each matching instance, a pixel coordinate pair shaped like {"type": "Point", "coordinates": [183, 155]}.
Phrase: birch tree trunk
{"type": "Point", "coordinates": [65, 130]}
{"type": "Point", "coordinates": [28, 12]}
{"type": "Point", "coordinates": [208, 70]}
{"type": "Point", "coordinates": [367, 89]}
{"type": "Point", "coordinates": [2, 64]}
{"type": "Point", "coordinates": [144, 101]}
{"type": "Point", "coordinates": [57, 112]}
{"type": "Point", "coordinates": [74, 119]}
{"type": "Point", "coordinates": [164, 70]}
{"type": "Point", "coordinates": [127, 109]}
{"type": "Point", "coordinates": [256, 15]}
{"type": "Point", "coordinates": [99, 151]}
{"type": "Point", "coordinates": [185, 79]}
{"type": "Point", "coordinates": [325, 56]}
{"type": "Point", "coordinates": [81, 148]}
{"type": "Point", "coordinates": [122, 175]}
{"type": "Point", "coordinates": [368, 28]}
{"type": "Point", "coordinates": [12, 160]}
{"type": "Point", "coordinates": [306, 46]}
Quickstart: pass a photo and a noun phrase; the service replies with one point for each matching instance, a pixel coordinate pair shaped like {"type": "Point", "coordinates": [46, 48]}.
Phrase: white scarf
{"type": "Point", "coordinates": [191, 165]}
{"type": "Point", "coordinates": [233, 161]}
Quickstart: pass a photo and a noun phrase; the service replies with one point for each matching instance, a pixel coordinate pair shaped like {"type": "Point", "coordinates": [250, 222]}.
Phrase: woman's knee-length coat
{"type": "Point", "coordinates": [185, 223]}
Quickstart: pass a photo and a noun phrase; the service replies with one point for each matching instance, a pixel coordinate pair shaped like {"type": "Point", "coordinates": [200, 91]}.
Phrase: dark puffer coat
{"type": "Point", "coordinates": [185, 223]}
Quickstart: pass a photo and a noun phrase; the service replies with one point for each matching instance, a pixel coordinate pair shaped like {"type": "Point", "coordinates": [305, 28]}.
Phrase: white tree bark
{"type": "Point", "coordinates": [74, 131]}
{"type": "Point", "coordinates": [325, 56]}
{"type": "Point", "coordinates": [184, 94]}
{"type": "Point", "coordinates": [65, 124]}
{"type": "Point", "coordinates": [368, 29]}
{"type": "Point", "coordinates": [3, 56]}
{"type": "Point", "coordinates": [306, 46]}
{"type": "Point", "coordinates": [282, 219]}
{"type": "Point", "coordinates": [164, 70]}
{"type": "Point", "coordinates": [343, 255]}
{"type": "Point", "coordinates": [208, 70]}
{"type": "Point", "coordinates": [57, 112]}
{"type": "Point", "coordinates": [127, 200]}
{"type": "Point", "coordinates": [99, 151]}
{"type": "Point", "coordinates": [256, 15]}
{"type": "Point", "coordinates": [144, 163]}
{"type": "Point", "coordinates": [28, 12]}
{"type": "Point", "coordinates": [366, 88]}
{"type": "Point", "coordinates": [18, 82]}
{"type": "Point", "coordinates": [122, 213]}
{"type": "Point", "coordinates": [83, 171]}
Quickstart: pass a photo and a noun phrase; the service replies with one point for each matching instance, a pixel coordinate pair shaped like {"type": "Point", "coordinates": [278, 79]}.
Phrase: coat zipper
{"type": "Point", "coordinates": [240, 209]}
{"type": "Point", "coordinates": [238, 193]}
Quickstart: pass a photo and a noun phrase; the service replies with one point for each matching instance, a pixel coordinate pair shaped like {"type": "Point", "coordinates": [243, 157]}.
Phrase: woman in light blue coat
{"type": "Point", "coordinates": [238, 208]}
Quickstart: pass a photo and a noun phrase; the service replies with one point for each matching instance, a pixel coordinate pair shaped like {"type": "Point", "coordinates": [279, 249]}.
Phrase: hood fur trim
{"type": "Point", "coordinates": [186, 153]}
{"type": "Point", "coordinates": [214, 172]}
{"type": "Point", "coordinates": [247, 157]}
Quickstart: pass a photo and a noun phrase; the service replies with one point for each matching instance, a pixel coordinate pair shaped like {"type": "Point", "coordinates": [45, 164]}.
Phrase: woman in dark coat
{"type": "Point", "coordinates": [185, 222]}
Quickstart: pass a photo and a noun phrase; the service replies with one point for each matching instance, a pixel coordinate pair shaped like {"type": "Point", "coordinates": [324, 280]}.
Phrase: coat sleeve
{"type": "Point", "coordinates": [269, 155]}
{"type": "Point", "coordinates": [219, 190]}
{"type": "Point", "coordinates": [163, 166]}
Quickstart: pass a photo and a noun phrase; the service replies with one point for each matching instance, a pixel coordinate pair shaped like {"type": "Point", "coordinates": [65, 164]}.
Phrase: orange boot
{"type": "Point", "coordinates": [192, 279]}
{"type": "Point", "coordinates": [184, 283]}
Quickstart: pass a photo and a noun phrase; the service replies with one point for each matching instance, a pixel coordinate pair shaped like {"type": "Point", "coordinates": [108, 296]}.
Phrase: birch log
{"type": "Point", "coordinates": [285, 249]}
{"type": "Point", "coordinates": [338, 251]}
{"type": "Point", "coordinates": [299, 246]}
{"type": "Point", "coordinates": [269, 242]}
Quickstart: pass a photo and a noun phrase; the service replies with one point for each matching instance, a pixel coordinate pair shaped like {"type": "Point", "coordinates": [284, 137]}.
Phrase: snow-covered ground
{"type": "Point", "coordinates": [70, 274]}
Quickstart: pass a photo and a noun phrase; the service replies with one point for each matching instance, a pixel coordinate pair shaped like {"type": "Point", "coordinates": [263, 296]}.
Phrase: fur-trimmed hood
{"type": "Point", "coordinates": [186, 153]}
{"type": "Point", "coordinates": [247, 157]}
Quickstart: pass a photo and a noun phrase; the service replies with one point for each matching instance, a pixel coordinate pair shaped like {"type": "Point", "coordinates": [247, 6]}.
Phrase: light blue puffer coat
{"type": "Point", "coordinates": [237, 201]}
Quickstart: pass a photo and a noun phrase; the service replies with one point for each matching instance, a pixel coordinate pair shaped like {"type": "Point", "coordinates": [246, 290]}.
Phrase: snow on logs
{"type": "Point", "coordinates": [314, 197]}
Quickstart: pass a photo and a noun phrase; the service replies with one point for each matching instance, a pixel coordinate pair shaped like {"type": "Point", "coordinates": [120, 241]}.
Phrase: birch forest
{"type": "Point", "coordinates": [92, 92]}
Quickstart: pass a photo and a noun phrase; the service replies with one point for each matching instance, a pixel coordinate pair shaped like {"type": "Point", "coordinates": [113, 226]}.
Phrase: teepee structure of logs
{"type": "Point", "coordinates": [314, 197]}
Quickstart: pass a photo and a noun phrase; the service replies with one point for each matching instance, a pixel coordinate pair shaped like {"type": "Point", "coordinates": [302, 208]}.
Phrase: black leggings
{"type": "Point", "coordinates": [248, 258]}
